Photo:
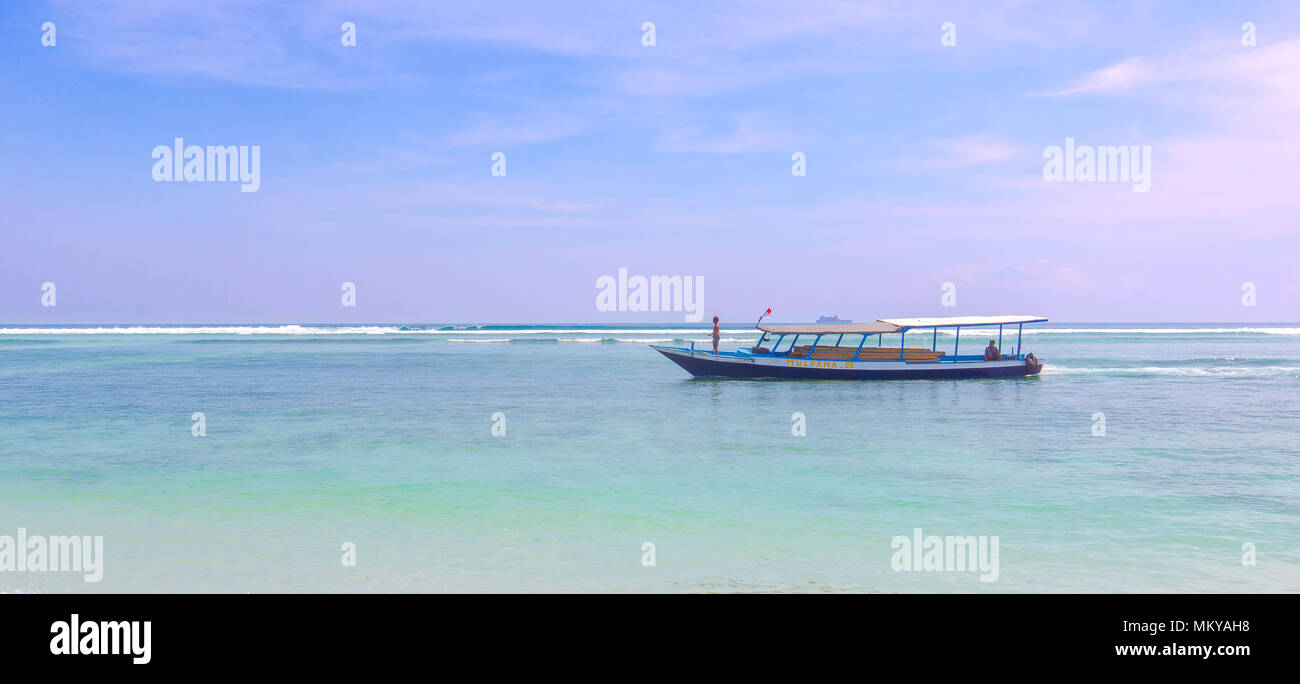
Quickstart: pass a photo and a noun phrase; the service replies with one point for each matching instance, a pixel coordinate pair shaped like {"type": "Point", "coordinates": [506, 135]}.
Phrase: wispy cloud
{"type": "Point", "coordinates": [1236, 157]}
{"type": "Point", "coordinates": [516, 131]}
{"type": "Point", "coordinates": [967, 151]}
{"type": "Point", "coordinates": [709, 47]}
{"type": "Point", "coordinates": [1125, 75]}
{"type": "Point", "coordinates": [1227, 66]}
{"type": "Point", "coordinates": [751, 133]}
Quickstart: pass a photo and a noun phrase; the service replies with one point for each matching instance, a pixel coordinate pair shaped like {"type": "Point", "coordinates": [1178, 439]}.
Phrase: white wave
{"type": "Point", "coordinates": [337, 330]}
{"type": "Point", "coordinates": [1181, 372]}
{"type": "Point", "coordinates": [623, 340]}
{"type": "Point", "coordinates": [1009, 332]}
{"type": "Point", "coordinates": [1162, 331]}
{"type": "Point", "coordinates": [463, 333]}
{"type": "Point", "coordinates": [210, 330]}
{"type": "Point", "coordinates": [577, 331]}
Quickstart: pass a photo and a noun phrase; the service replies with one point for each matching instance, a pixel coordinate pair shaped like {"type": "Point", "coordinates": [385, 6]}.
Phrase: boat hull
{"type": "Point", "coordinates": [705, 364]}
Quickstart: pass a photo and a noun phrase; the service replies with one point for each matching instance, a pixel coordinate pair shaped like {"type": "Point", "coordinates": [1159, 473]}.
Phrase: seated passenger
{"type": "Point", "coordinates": [991, 352]}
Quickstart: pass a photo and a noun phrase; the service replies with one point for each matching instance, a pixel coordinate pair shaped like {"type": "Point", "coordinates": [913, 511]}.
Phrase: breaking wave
{"type": "Point", "coordinates": [347, 330]}
{"type": "Point", "coordinates": [1223, 371]}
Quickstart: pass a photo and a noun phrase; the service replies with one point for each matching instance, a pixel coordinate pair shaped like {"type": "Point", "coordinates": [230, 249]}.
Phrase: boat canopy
{"type": "Point", "coordinates": [895, 325]}
{"type": "Point", "coordinates": [953, 321]}
{"type": "Point", "coordinates": [876, 328]}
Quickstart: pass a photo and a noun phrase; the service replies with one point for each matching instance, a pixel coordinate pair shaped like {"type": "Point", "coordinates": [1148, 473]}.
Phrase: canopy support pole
{"type": "Point", "coordinates": [956, 342]}
{"type": "Point", "coordinates": [934, 344]}
{"type": "Point", "coordinates": [999, 339]}
{"type": "Point", "coordinates": [859, 351]}
{"type": "Point", "coordinates": [902, 338]}
{"type": "Point", "coordinates": [1019, 330]}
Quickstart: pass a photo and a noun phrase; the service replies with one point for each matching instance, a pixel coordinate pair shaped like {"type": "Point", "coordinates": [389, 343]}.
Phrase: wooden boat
{"type": "Point", "coordinates": [828, 357]}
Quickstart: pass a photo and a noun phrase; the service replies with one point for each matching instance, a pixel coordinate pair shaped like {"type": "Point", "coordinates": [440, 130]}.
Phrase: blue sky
{"type": "Point", "coordinates": [924, 161]}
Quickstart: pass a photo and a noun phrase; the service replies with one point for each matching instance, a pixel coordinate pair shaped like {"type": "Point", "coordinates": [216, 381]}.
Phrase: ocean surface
{"type": "Point", "coordinates": [382, 437]}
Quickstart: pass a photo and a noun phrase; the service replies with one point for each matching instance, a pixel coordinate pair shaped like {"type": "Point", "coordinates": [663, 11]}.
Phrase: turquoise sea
{"type": "Point", "coordinates": [382, 437]}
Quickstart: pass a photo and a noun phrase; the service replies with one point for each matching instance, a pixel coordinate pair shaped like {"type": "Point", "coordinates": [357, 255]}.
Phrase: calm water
{"type": "Point", "coordinates": [382, 437]}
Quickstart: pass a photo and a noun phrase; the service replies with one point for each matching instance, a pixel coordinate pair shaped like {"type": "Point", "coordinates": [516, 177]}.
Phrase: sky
{"type": "Point", "coordinates": [923, 129]}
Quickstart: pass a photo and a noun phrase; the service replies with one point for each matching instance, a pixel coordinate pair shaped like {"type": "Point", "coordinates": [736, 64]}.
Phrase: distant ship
{"type": "Point", "coordinates": [832, 319]}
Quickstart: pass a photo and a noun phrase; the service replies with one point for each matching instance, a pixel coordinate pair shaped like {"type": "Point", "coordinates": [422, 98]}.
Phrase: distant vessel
{"type": "Point", "coordinates": [829, 357]}
{"type": "Point", "coordinates": [832, 319]}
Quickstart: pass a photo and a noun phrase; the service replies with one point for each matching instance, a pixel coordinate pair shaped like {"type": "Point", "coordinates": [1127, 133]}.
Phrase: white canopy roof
{"type": "Point", "coordinates": [961, 320]}
{"type": "Point", "coordinates": [893, 325]}
{"type": "Point", "coordinates": [831, 329]}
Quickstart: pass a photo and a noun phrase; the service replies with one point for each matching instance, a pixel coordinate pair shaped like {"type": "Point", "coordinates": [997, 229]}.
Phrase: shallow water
{"type": "Point", "coordinates": [382, 437]}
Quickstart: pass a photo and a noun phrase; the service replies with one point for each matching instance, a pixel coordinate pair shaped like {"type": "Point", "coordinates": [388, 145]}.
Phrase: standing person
{"type": "Point", "coordinates": [717, 334]}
